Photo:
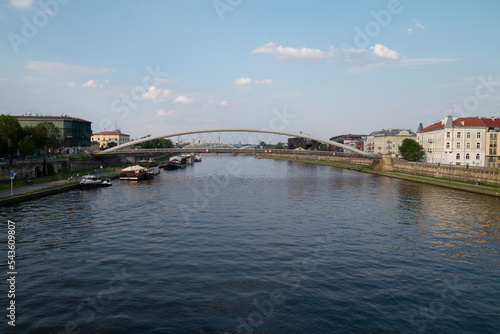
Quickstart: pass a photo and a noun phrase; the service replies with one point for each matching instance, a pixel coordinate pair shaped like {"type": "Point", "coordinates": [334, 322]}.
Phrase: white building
{"type": "Point", "coordinates": [387, 141]}
{"type": "Point", "coordinates": [455, 140]}
{"type": "Point", "coordinates": [103, 138]}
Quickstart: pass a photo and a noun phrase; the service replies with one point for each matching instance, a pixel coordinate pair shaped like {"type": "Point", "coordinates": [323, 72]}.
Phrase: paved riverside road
{"type": "Point", "coordinates": [26, 188]}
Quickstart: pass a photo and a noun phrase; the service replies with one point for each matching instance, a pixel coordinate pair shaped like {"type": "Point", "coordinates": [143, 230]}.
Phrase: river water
{"type": "Point", "coordinates": [246, 245]}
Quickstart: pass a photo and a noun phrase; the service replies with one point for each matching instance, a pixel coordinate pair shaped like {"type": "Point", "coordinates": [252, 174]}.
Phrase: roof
{"type": "Point", "coordinates": [43, 118]}
{"type": "Point", "coordinates": [477, 122]}
{"type": "Point", "coordinates": [110, 133]}
{"type": "Point", "coordinates": [491, 122]}
{"type": "Point", "coordinates": [394, 132]}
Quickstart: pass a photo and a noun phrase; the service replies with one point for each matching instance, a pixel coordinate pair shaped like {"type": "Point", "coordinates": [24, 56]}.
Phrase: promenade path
{"type": "Point", "coordinates": [37, 187]}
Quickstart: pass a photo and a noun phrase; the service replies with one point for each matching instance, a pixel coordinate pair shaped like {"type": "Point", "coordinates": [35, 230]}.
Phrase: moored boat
{"type": "Point", "coordinates": [133, 173]}
{"type": "Point", "coordinates": [92, 181]}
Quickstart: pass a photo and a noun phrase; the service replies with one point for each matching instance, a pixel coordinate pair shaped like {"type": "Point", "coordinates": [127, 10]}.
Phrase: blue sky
{"type": "Point", "coordinates": [334, 67]}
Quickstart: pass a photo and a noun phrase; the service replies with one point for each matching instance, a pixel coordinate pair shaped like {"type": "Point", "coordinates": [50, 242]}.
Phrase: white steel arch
{"type": "Point", "coordinates": [188, 132]}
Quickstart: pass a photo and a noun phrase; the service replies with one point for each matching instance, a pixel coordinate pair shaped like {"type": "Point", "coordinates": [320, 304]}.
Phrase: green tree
{"type": "Point", "coordinates": [156, 143]}
{"type": "Point", "coordinates": [112, 144]}
{"type": "Point", "coordinates": [279, 146]}
{"type": "Point", "coordinates": [27, 146]}
{"type": "Point", "coordinates": [45, 135]}
{"type": "Point", "coordinates": [411, 150]}
{"type": "Point", "coordinates": [322, 147]}
{"type": "Point", "coordinates": [10, 132]}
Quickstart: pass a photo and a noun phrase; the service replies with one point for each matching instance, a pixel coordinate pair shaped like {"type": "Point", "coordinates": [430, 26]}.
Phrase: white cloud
{"type": "Point", "coordinates": [53, 68]}
{"type": "Point", "coordinates": [410, 31]}
{"type": "Point", "coordinates": [247, 81]}
{"type": "Point", "coordinates": [2, 81]}
{"type": "Point", "coordinates": [417, 24]}
{"type": "Point", "coordinates": [223, 103]}
{"type": "Point", "coordinates": [89, 84]}
{"type": "Point", "coordinates": [384, 52]}
{"type": "Point", "coordinates": [303, 53]}
{"type": "Point", "coordinates": [22, 4]}
{"type": "Point", "coordinates": [170, 113]}
{"type": "Point", "coordinates": [184, 100]}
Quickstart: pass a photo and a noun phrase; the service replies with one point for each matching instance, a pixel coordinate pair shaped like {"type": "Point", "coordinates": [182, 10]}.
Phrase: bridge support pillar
{"type": "Point", "coordinates": [386, 164]}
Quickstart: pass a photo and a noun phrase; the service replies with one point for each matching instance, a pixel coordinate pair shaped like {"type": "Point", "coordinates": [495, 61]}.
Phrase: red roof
{"type": "Point", "coordinates": [433, 127]}
{"type": "Point", "coordinates": [491, 121]}
{"type": "Point", "coordinates": [109, 133]}
{"type": "Point", "coordinates": [467, 122]}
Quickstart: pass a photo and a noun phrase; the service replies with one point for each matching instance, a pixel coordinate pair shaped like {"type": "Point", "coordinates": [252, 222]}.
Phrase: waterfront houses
{"type": "Point", "coordinates": [387, 141]}
{"type": "Point", "coordinates": [461, 141]}
{"type": "Point", "coordinates": [492, 139]}
{"type": "Point", "coordinates": [105, 137]}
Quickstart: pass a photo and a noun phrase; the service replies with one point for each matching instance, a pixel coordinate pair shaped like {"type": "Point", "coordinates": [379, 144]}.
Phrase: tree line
{"type": "Point", "coordinates": [16, 140]}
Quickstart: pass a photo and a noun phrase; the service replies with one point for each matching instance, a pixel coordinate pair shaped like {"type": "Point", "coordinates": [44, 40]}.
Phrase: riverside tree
{"type": "Point", "coordinates": [156, 143]}
{"type": "Point", "coordinates": [411, 150]}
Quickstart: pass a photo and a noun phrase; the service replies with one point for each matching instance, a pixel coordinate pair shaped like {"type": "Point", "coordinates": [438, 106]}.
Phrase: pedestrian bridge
{"type": "Point", "coordinates": [259, 134]}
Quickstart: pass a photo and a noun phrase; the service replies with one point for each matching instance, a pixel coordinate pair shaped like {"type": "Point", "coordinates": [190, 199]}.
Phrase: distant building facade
{"type": "Point", "coordinates": [388, 141]}
{"type": "Point", "coordinates": [75, 131]}
{"type": "Point", "coordinates": [492, 141]}
{"type": "Point", "coordinates": [105, 137]}
{"type": "Point", "coordinates": [461, 141]}
{"type": "Point", "coordinates": [354, 141]}
{"type": "Point", "coordinates": [297, 142]}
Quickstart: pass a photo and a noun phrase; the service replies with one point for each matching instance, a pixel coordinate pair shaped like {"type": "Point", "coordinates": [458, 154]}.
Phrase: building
{"type": "Point", "coordinates": [297, 142]}
{"type": "Point", "coordinates": [355, 141]}
{"type": "Point", "coordinates": [492, 150]}
{"type": "Point", "coordinates": [388, 141]}
{"type": "Point", "coordinates": [75, 131]}
{"type": "Point", "coordinates": [461, 141]}
{"type": "Point", "coordinates": [103, 138]}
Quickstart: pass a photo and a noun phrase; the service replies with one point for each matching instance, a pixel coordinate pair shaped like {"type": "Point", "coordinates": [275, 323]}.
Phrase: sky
{"type": "Point", "coordinates": [323, 68]}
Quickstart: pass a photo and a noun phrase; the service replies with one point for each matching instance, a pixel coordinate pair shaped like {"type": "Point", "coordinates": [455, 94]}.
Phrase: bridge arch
{"type": "Point", "coordinates": [189, 132]}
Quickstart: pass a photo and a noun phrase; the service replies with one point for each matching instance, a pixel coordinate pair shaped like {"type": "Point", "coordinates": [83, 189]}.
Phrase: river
{"type": "Point", "coordinates": [247, 245]}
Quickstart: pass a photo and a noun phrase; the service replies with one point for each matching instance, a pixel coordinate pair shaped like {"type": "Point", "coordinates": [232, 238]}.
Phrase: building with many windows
{"type": "Point", "coordinates": [75, 131]}
{"type": "Point", "coordinates": [492, 141]}
{"type": "Point", "coordinates": [355, 141]}
{"type": "Point", "coordinates": [103, 138]}
{"type": "Point", "coordinates": [459, 141]}
{"type": "Point", "coordinates": [387, 141]}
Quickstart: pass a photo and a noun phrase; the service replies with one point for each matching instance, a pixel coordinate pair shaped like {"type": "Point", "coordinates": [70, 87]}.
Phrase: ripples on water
{"type": "Point", "coordinates": [236, 245]}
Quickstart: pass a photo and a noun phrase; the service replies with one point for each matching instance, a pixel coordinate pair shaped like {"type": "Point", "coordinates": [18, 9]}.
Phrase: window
{"type": "Point", "coordinates": [491, 136]}
{"type": "Point", "coordinates": [447, 134]}
{"type": "Point", "coordinates": [467, 156]}
{"type": "Point", "coordinates": [468, 145]}
{"type": "Point", "coordinates": [447, 145]}
{"type": "Point", "coordinates": [458, 145]}
{"type": "Point", "coordinates": [478, 156]}
{"type": "Point", "coordinates": [468, 134]}
{"type": "Point", "coordinates": [479, 135]}
{"type": "Point", "coordinates": [459, 134]}
{"type": "Point", "coordinates": [458, 156]}
{"type": "Point", "coordinates": [478, 145]}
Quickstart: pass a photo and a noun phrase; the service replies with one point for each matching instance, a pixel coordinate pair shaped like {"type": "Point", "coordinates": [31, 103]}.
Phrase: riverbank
{"type": "Point", "coordinates": [448, 183]}
{"type": "Point", "coordinates": [45, 189]}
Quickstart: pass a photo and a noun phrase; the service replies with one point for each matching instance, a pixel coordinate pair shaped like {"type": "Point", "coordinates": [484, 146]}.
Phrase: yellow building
{"type": "Point", "coordinates": [103, 138]}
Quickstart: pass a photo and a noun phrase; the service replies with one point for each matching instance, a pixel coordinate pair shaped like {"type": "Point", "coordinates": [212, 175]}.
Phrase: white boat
{"type": "Point", "coordinates": [133, 173]}
{"type": "Point", "coordinates": [91, 181]}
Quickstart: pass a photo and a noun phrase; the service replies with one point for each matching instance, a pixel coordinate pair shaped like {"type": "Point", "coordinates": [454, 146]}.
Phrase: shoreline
{"type": "Point", "coordinates": [47, 191]}
{"type": "Point", "coordinates": [447, 183]}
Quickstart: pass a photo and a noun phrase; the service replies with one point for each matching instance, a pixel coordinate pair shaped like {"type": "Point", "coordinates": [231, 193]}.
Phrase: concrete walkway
{"type": "Point", "coordinates": [37, 187]}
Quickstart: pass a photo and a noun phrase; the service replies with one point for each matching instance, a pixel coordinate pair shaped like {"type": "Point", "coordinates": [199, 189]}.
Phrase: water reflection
{"type": "Point", "coordinates": [205, 247]}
